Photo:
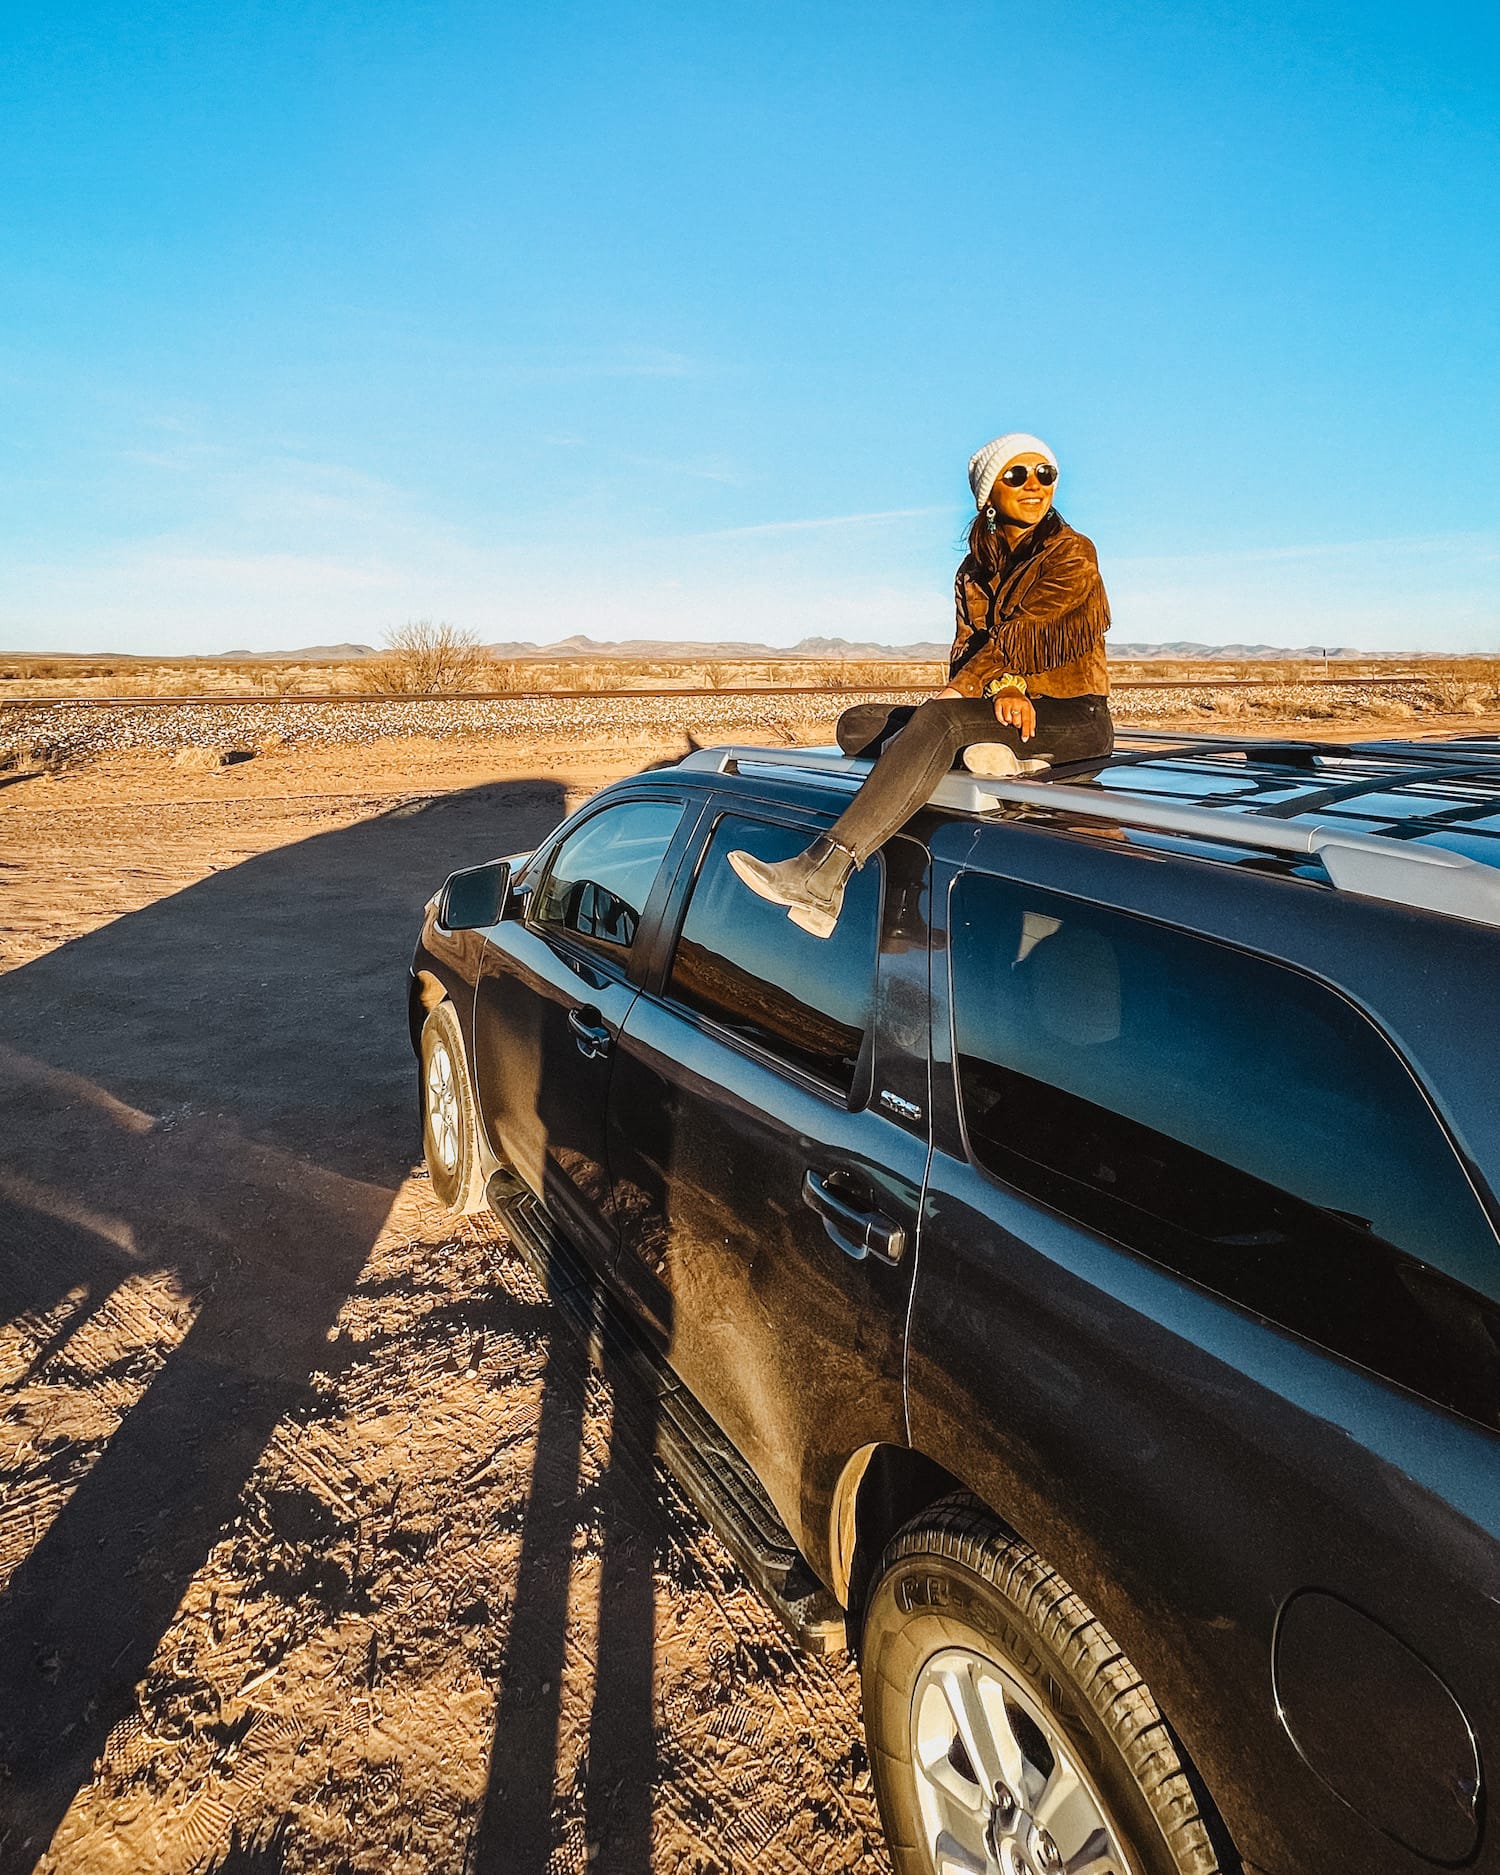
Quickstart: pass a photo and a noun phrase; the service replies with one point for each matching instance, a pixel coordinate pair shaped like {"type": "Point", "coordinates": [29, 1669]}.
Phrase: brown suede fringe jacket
{"type": "Point", "coordinates": [1043, 615]}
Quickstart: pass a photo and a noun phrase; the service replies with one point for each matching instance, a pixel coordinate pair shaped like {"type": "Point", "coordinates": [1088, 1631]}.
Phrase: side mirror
{"type": "Point", "coordinates": [476, 897]}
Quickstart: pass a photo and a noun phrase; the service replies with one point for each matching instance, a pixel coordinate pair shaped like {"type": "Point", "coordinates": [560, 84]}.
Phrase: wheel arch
{"type": "Point", "coordinates": [426, 991]}
{"type": "Point", "coordinates": [882, 1488]}
{"type": "Point", "coordinates": [427, 994]}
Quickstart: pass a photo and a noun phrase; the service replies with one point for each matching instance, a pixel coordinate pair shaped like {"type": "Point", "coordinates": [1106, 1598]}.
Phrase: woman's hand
{"type": "Point", "coordinates": [1018, 711]}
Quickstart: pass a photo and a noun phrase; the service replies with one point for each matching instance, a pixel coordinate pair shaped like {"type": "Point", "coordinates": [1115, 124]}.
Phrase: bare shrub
{"type": "Point", "coordinates": [425, 658]}
{"type": "Point", "coordinates": [1389, 708]}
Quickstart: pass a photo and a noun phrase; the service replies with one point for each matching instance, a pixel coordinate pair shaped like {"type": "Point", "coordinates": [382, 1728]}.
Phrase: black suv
{"type": "Point", "coordinates": [1077, 1278]}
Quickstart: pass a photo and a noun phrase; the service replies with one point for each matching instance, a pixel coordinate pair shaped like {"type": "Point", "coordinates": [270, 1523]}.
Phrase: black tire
{"type": "Point", "coordinates": [953, 1586]}
{"type": "Point", "coordinates": [450, 1135]}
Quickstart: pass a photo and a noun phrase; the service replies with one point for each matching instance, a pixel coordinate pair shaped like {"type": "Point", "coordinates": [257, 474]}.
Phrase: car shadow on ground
{"type": "Point", "coordinates": [217, 1093]}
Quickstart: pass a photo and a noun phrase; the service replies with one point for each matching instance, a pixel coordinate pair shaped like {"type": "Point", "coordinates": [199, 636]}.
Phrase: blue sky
{"type": "Point", "coordinates": [682, 322]}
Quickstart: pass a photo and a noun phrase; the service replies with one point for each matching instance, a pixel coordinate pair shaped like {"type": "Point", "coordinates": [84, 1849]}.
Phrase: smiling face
{"type": "Point", "coordinates": [1023, 506]}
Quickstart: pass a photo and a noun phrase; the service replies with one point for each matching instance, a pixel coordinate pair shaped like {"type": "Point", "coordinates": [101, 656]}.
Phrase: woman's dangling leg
{"type": "Point", "coordinates": [910, 767]}
{"type": "Point", "coordinates": [811, 885]}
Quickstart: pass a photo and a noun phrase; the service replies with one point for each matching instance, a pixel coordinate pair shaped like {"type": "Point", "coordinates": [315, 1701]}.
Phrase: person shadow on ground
{"type": "Point", "coordinates": [220, 1088]}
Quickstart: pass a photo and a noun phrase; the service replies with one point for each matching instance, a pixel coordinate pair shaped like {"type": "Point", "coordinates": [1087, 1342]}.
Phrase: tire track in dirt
{"type": "Point", "coordinates": [324, 1694]}
{"type": "Point", "coordinates": [71, 1374]}
{"type": "Point", "coordinates": [342, 1642]}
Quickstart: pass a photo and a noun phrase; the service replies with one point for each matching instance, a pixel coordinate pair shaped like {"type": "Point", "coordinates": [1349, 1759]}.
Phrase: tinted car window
{"type": "Point", "coordinates": [602, 874]}
{"type": "Point", "coordinates": [745, 964]}
{"type": "Point", "coordinates": [1228, 1117]}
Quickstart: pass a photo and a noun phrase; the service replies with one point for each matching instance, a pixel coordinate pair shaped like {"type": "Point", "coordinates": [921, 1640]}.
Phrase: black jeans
{"type": "Point", "coordinates": [916, 746]}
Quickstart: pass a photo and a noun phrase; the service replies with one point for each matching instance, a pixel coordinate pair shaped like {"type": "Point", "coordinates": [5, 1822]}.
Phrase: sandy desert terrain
{"type": "Point", "coordinates": [321, 1545]}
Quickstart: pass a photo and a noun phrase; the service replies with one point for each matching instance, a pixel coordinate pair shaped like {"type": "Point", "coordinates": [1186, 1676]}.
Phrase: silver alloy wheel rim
{"type": "Point", "coordinates": [990, 1804]}
{"type": "Point", "coordinates": [442, 1107]}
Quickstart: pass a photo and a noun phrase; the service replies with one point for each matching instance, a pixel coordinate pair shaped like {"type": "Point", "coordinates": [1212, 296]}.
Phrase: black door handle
{"type": "Point", "coordinates": [857, 1233]}
{"type": "Point", "coordinates": [589, 1032]}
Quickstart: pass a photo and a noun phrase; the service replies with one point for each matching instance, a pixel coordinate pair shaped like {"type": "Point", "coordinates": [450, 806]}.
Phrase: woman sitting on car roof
{"type": "Point", "coordinates": [1027, 679]}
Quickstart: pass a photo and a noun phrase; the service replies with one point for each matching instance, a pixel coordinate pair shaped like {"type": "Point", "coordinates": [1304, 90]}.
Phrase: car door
{"type": "Point", "coordinates": [554, 988]}
{"type": "Point", "coordinates": [768, 1131]}
{"type": "Point", "coordinates": [1209, 1310]}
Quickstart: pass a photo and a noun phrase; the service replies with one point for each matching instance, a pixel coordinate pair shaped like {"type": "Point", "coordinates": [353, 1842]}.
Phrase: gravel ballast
{"type": "Point", "coordinates": [76, 731]}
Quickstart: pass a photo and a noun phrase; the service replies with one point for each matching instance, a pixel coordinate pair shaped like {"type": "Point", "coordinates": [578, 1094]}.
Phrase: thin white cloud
{"type": "Point", "coordinates": [581, 368]}
{"type": "Point", "coordinates": [1479, 546]}
{"type": "Point", "coordinates": [263, 574]}
{"type": "Point", "coordinates": [879, 518]}
{"type": "Point", "coordinates": [303, 502]}
{"type": "Point", "coordinates": [266, 541]}
{"type": "Point", "coordinates": [197, 595]}
{"type": "Point", "coordinates": [696, 469]}
{"type": "Point", "coordinates": [690, 468]}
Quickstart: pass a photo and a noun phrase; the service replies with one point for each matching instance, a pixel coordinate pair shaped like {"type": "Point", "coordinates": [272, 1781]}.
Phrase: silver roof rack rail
{"type": "Point", "coordinates": [1428, 878]}
{"type": "Point", "coordinates": [728, 758]}
{"type": "Point", "coordinates": [964, 792]}
{"type": "Point", "coordinates": [1141, 744]}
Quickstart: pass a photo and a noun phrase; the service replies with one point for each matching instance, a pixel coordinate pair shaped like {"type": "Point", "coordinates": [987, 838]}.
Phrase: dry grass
{"type": "Point", "coordinates": [1465, 687]}
{"type": "Point", "coordinates": [160, 677]}
{"type": "Point", "coordinates": [547, 676]}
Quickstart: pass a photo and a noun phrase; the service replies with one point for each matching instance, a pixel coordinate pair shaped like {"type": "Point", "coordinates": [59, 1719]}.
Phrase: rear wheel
{"type": "Point", "coordinates": [450, 1139]}
{"type": "Point", "coordinates": [1008, 1734]}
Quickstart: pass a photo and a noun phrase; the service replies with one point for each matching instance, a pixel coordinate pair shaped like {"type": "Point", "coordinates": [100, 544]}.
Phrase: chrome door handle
{"type": "Point", "coordinates": [592, 1037]}
{"type": "Point", "coordinates": [857, 1233]}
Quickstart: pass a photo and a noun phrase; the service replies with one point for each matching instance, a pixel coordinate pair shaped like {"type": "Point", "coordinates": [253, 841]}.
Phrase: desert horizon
{"type": "Point", "coordinates": [582, 648]}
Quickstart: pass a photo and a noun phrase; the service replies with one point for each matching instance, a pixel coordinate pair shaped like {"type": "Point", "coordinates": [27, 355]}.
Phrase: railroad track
{"type": "Point", "coordinates": [361, 699]}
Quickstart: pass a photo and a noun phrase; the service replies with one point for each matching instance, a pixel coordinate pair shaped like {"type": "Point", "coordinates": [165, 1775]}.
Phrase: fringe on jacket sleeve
{"type": "Point", "coordinates": [1059, 615]}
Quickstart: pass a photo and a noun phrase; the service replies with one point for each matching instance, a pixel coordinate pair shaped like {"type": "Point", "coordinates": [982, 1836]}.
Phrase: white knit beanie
{"type": "Point", "coordinates": [985, 464]}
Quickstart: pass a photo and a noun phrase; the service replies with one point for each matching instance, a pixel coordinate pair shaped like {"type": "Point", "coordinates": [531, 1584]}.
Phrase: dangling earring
{"type": "Point", "coordinates": [989, 521]}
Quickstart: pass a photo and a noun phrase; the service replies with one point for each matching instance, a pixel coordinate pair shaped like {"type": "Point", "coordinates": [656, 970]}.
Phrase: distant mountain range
{"type": "Point", "coordinates": [640, 650]}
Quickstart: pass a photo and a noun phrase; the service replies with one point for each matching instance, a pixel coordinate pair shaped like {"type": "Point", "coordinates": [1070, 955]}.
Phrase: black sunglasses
{"type": "Point", "coordinates": [1016, 475]}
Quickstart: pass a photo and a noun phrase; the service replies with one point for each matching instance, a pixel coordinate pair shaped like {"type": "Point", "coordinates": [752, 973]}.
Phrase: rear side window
{"type": "Point", "coordinates": [743, 963]}
{"type": "Point", "coordinates": [601, 876]}
{"type": "Point", "coordinates": [1229, 1118]}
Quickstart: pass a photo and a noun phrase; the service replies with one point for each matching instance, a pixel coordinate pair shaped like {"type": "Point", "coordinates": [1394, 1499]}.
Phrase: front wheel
{"type": "Point", "coordinates": [1008, 1734]}
{"type": "Point", "coordinates": [450, 1135]}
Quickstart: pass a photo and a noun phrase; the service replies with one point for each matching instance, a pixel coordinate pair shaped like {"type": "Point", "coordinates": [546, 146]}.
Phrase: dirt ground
{"type": "Point", "coordinates": [320, 1545]}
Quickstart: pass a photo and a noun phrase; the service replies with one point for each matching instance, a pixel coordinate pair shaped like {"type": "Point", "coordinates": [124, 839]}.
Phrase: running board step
{"type": "Point", "coordinates": [669, 1423]}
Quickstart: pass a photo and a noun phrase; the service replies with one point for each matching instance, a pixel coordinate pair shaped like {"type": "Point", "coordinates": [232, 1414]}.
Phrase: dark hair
{"type": "Point", "coordinates": [986, 544]}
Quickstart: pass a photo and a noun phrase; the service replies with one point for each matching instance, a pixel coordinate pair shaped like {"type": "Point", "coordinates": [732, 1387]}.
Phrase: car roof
{"type": "Point", "coordinates": [1414, 822]}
